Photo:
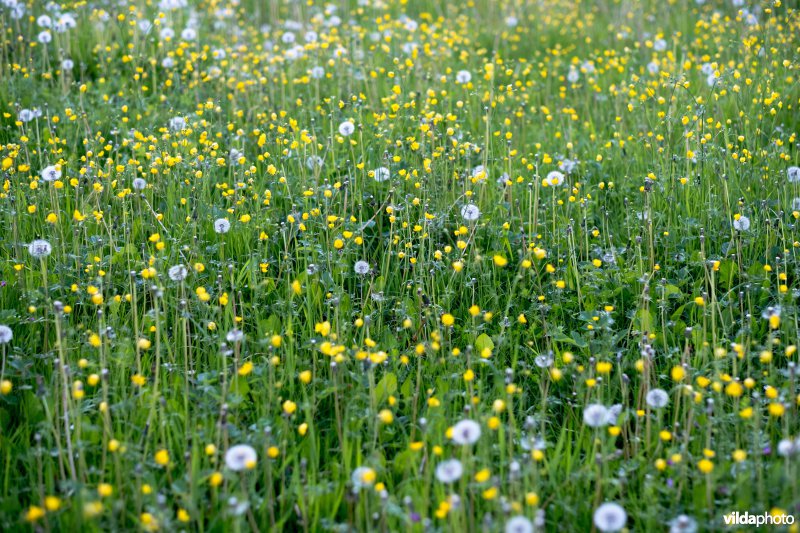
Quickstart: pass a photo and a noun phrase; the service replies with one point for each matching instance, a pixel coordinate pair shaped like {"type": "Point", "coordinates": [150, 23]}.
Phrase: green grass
{"type": "Point", "coordinates": [123, 389]}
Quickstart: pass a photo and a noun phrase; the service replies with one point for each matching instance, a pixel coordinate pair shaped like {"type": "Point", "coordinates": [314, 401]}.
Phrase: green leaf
{"type": "Point", "coordinates": [386, 387]}
{"type": "Point", "coordinates": [482, 342]}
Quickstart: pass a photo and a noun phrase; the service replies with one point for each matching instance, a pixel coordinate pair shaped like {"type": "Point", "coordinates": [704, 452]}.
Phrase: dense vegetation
{"type": "Point", "coordinates": [390, 265]}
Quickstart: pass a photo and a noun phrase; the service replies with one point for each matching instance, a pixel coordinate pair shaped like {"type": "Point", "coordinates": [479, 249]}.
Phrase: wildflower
{"type": "Point", "coordinates": [361, 267]}
{"type": "Point", "coordinates": [5, 334]}
{"type": "Point", "coordinates": [34, 513]}
{"type": "Point", "coordinates": [52, 503]}
{"type": "Point", "coordinates": [773, 315]}
{"type": "Point", "coordinates": [683, 524]}
{"type": "Point", "coordinates": [139, 184]}
{"type": "Point", "coordinates": [221, 225]}
{"type": "Point", "coordinates": [385, 416]}
{"type": "Point", "coordinates": [363, 477]}
{"type": "Point", "coordinates": [595, 415]}
{"type": "Point", "coordinates": [609, 517]}
{"type": "Point", "coordinates": [235, 335]}
{"type": "Point", "coordinates": [241, 457]}
{"type": "Point", "coordinates": [466, 432]}
{"type": "Point", "coordinates": [289, 407]}
{"type": "Point", "coordinates": [313, 161]}
{"type": "Point", "coordinates": [573, 75]}
{"type": "Point", "coordinates": [519, 524]}
{"type": "Point", "coordinates": [177, 272]}
{"type": "Point", "coordinates": [741, 223]}
{"type": "Point", "coordinates": [705, 466]}
{"type": "Point", "coordinates": [177, 124]}
{"type": "Point", "coordinates": [793, 174]}
{"type": "Point", "coordinates": [50, 173]}
{"type": "Point", "coordinates": [39, 248]}
{"type": "Point", "coordinates": [162, 457]}
{"type": "Point", "coordinates": [463, 76]}
{"type": "Point", "coordinates": [470, 212]}
{"type": "Point", "coordinates": [246, 368]}
{"type": "Point", "coordinates": [544, 360]}
{"type": "Point", "coordinates": [449, 471]}
{"type": "Point", "coordinates": [567, 166]}
{"type": "Point", "coordinates": [678, 373]}
{"type": "Point", "coordinates": [346, 128]}
{"type": "Point", "coordinates": [381, 174]}
{"type": "Point", "coordinates": [500, 261]}
{"type": "Point", "coordinates": [657, 398]}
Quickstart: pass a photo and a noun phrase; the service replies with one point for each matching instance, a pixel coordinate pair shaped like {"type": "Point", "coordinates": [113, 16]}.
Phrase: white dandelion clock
{"type": "Point", "coordinates": [449, 471]}
{"type": "Point", "coordinates": [786, 447]}
{"type": "Point", "coordinates": [612, 413]}
{"type": "Point", "coordinates": [346, 128]}
{"type": "Point", "coordinates": [544, 360]}
{"type": "Point", "coordinates": [610, 517]}
{"type": "Point", "coordinates": [683, 524]}
{"type": "Point", "coordinates": [221, 225]}
{"type": "Point", "coordinates": [470, 212]}
{"type": "Point", "coordinates": [567, 166]}
{"type": "Point", "coordinates": [463, 76]}
{"type": "Point", "coordinates": [65, 22]}
{"type": "Point", "coordinates": [235, 155]}
{"type": "Point", "coordinates": [362, 477]}
{"type": "Point", "coordinates": [381, 174]}
{"type": "Point", "coordinates": [361, 268]}
{"type": "Point", "coordinates": [241, 457]}
{"type": "Point", "coordinates": [5, 334]}
{"type": "Point", "coordinates": [574, 75]}
{"type": "Point", "coordinates": [40, 248]}
{"type": "Point", "coordinates": [741, 224]}
{"type": "Point", "coordinates": [466, 432]}
{"type": "Point", "coordinates": [793, 174]}
{"type": "Point", "coordinates": [45, 37]}
{"type": "Point", "coordinates": [595, 415]}
{"type": "Point", "coordinates": [139, 184]}
{"type": "Point", "coordinates": [177, 272]}
{"type": "Point", "coordinates": [313, 161]}
{"type": "Point", "coordinates": [519, 524]}
{"type": "Point", "coordinates": [235, 335]}
{"type": "Point", "coordinates": [554, 178]}
{"type": "Point", "coordinates": [26, 115]}
{"type": "Point", "coordinates": [177, 123]}
{"type": "Point", "coordinates": [50, 173]}
{"type": "Point", "coordinates": [657, 398]}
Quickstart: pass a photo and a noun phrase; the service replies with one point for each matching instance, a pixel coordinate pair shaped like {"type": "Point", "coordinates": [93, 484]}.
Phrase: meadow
{"type": "Point", "coordinates": [399, 265]}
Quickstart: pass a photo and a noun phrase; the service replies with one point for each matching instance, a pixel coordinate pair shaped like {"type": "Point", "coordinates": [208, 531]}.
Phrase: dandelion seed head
{"type": "Point", "coordinates": [240, 457]}
{"type": "Point", "coordinates": [610, 517]}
